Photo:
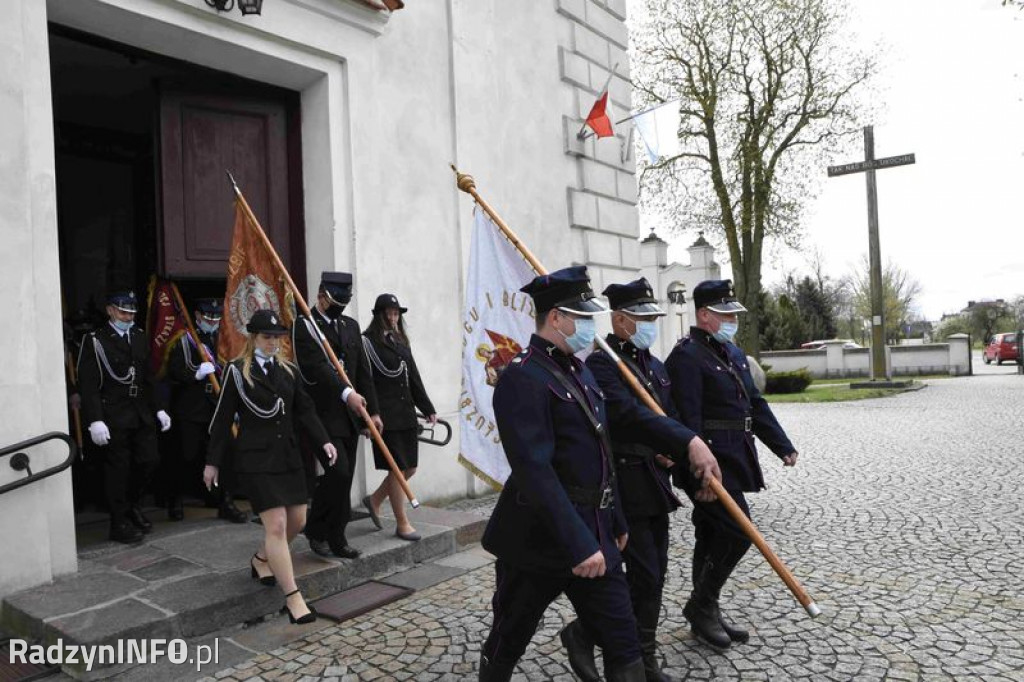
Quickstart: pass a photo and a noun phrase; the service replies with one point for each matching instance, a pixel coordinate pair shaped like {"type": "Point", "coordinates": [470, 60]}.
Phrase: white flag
{"type": "Point", "coordinates": [659, 130]}
{"type": "Point", "coordinates": [497, 324]}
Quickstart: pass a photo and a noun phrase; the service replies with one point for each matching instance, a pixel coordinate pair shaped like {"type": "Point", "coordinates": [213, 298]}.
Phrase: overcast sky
{"type": "Point", "coordinates": [952, 84]}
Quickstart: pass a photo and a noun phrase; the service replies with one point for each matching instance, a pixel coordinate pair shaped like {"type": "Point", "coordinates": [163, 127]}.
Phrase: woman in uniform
{"type": "Point", "coordinates": [400, 393]}
{"type": "Point", "coordinates": [268, 399]}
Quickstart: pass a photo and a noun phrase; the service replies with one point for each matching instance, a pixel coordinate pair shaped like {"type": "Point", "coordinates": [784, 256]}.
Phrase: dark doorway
{"type": "Point", "coordinates": [141, 144]}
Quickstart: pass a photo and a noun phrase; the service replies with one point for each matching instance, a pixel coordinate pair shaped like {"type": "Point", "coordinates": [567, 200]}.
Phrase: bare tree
{"type": "Point", "coordinates": [766, 92]}
{"type": "Point", "coordinates": [899, 294]}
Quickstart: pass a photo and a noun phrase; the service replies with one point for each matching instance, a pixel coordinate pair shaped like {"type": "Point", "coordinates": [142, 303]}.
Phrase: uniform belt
{"type": "Point", "coordinates": [594, 497]}
{"type": "Point", "coordinates": [745, 424]}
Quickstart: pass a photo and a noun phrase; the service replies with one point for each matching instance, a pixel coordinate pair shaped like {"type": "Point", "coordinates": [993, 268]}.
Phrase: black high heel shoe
{"type": "Point", "coordinates": [268, 580]}
{"type": "Point", "coordinates": [301, 620]}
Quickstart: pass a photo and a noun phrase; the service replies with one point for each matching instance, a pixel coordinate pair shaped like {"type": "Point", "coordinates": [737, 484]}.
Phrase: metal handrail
{"type": "Point", "coordinates": [20, 461]}
{"type": "Point", "coordinates": [425, 431]}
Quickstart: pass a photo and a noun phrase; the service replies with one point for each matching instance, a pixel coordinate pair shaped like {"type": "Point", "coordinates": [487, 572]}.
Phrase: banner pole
{"type": "Point", "coordinates": [301, 303]}
{"type": "Point", "coordinates": [468, 185]}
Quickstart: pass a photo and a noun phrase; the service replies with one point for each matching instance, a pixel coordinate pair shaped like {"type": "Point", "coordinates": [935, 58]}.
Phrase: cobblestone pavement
{"type": "Point", "coordinates": [902, 520]}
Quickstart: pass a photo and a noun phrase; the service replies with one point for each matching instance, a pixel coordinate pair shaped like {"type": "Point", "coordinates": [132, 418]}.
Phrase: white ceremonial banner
{"type": "Point", "coordinates": [497, 324]}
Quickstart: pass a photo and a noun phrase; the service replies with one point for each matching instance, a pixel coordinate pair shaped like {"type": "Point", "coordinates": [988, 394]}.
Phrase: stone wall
{"type": "Point", "coordinates": [834, 361]}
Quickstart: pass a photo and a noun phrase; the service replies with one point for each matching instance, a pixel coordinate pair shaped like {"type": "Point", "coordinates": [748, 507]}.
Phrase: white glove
{"type": "Point", "coordinates": [99, 433]}
{"type": "Point", "coordinates": [164, 419]}
{"type": "Point", "coordinates": [204, 370]}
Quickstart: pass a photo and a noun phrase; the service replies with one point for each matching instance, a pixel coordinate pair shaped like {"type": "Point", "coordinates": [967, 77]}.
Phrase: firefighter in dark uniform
{"type": "Point", "coordinates": [715, 395]}
{"type": "Point", "coordinates": [336, 403]}
{"type": "Point", "coordinates": [643, 475]}
{"type": "Point", "coordinates": [558, 526]}
{"type": "Point", "coordinates": [192, 405]}
{"type": "Point", "coordinates": [265, 395]}
{"type": "Point", "coordinates": [120, 406]}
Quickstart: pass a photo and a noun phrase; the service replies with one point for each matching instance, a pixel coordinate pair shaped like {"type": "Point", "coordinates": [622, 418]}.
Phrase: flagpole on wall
{"type": "Point", "coordinates": [301, 303]}
{"type": "Point", "coordinates": [468, 185]}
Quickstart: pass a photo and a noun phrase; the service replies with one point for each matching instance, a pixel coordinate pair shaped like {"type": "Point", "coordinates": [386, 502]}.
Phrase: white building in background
{"type": "Point", "coordinates": [674, 283]}
{"type": "Point", "coordinates": [118, 118]}
{"type": "Point", "coordinates": [339, 121]}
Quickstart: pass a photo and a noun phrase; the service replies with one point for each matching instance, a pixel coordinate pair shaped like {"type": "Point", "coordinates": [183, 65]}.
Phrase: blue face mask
{"type": "Point", "coordinates": [207, 327]}
{"type": "Point", "coordinates": [726, 332]}
{"type": "Point", "coordinates": [586, 330]}
{"type": "Point", "coordinates": [263, 355]}
{"type": "Point", "coordinates": [123, 326]}
{"type": "Point", "coordinates": [646, 334]}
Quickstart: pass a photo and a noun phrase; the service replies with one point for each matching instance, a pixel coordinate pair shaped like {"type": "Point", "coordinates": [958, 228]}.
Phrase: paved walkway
{"type": "Point", "coordinates": [903, 521]}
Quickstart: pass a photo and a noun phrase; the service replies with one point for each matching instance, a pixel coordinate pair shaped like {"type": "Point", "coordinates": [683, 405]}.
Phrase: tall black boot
{"type": "Point", "coordinates": [648, 612]}
{"type": "Point", "coordinates": [631, 672]}
{"type": "Point", "coordinates": [494, 672]}
{"type": "Point", "coordinates": [702, 608]}
{"type": "Point", "coordinates": [720, 572]}
{"type": "Point", "coordinates": [580, 650]}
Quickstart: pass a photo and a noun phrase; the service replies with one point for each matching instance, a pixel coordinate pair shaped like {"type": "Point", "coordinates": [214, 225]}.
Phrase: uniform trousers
{"type": "Point", "coordinates": [646, 559]}
{"type": "Point", "coordinates": [332, 498]}
{"type": "Point", "coordinates": [130, 460]}
{"type": "Point", "coordinates": [717, 537]}
{"type": "Point", "coordinates": [602, 606]}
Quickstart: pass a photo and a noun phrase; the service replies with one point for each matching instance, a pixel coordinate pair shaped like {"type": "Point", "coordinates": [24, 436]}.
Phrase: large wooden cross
{"type": "Point", "coordinates": [868, 166]}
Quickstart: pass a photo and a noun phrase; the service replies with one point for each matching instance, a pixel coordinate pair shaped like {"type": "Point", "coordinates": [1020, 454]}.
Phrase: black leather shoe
{"type": "Point", "coordinates": [634, 672]}
{"type": "Point", "coordinates": [705, 623]}
{"type": "Point", "coordinates": [345, 551]}
{"type": "Point", "coordinates": [139, 520]}
{"type": "Point", "coordinates": [125, 533]}
{"type": "Point", "coordinates": [175, 510]}
{"type": "Point", "coordinates": [735, 633]}
{"type": "Point", "coordinates": [580, 651]}
{"type": "Point", "coordinates": [229, 512]}
{"type": "Point", "coordinates": [319, 547]}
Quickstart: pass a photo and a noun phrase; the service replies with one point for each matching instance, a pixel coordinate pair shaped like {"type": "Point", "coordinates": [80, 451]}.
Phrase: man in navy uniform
{"type": "Point", "coordinates": [120, 406]}
{"type": "Point", "coordinates": [643, 475]}
{"type": "Point", "coordinates": [336, 404]}
{"type": "Point", "coordinates": [558, 526]}
{"type": "Point", "coordinates": [715, 395]}
{"type": "Point", "coordinates": [192, 405]}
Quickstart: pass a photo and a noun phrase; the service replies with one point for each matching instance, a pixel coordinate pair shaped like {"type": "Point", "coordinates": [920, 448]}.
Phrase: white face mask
{"type": "Point", "coordinates": [646, 334]}
{"type": "Point", "coordinates": [726, 332]}
{"type": "Point", "coordinates": [207, 327]}
{"type": "Point", "coordinates": [586, 330]}
{"type": "Point", "coordinates": [264, 355]}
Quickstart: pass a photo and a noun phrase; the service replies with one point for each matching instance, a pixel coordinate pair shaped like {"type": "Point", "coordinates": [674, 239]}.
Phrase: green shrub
{"type": "Point", "coordinates": [788, 382]}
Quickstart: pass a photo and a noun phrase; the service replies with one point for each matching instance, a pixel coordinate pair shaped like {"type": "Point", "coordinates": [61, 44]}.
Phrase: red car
{"type": "Point", "coordinates": [1001, 347]}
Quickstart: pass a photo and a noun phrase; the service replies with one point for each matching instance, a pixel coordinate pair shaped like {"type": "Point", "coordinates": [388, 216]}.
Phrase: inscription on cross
{"type": "Point", "coordinates": [879, 369]}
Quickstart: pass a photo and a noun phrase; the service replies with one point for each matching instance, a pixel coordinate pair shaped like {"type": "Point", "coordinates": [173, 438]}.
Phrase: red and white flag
{"type": "Point", "coordinates": [597, 119]}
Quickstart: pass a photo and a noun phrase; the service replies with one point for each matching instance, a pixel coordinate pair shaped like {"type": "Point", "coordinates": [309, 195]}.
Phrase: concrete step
{"type": "Point", "coordinates": [196, 581]}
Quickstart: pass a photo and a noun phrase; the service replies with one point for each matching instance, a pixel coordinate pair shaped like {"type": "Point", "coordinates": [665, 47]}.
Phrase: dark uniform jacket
{"type": "Point", "coordinates": [121, 391]}
{"type": "Point", "coordinates": [550, 444]}
{"type": "Point", "coordinates": [644, 484]}
{"type": "Point", "coordinates": [704, 389]}
{"type": "Point", "coordinates": [268, 413]}
{"type": "Point", "coordinates": [322, 381]}
{"type": "Point", "coordinates": [191, 400]}
{"type": "Point", "coordinates": [400, 396]}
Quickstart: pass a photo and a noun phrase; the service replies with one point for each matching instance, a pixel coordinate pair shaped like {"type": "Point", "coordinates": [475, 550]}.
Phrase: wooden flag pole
{"type": "Point", "coordinates": [468, 185]}
{"type": "Point", "coordinates": [301, 303]}
{"type": "Point", "coordinates": [190, 328]}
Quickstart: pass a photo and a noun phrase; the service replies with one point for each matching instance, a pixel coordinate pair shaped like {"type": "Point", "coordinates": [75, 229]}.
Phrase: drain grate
{"type": "Point", "coordinates": [359, 600]}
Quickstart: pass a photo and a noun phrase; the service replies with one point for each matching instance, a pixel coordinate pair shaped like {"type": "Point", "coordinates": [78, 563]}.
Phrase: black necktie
{"type": "Point", "coordinates": [268, 367]}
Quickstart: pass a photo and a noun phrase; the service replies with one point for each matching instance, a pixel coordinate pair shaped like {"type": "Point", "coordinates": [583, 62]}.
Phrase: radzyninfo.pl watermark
{"type": "Point", "coordinates": [123, 652]}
